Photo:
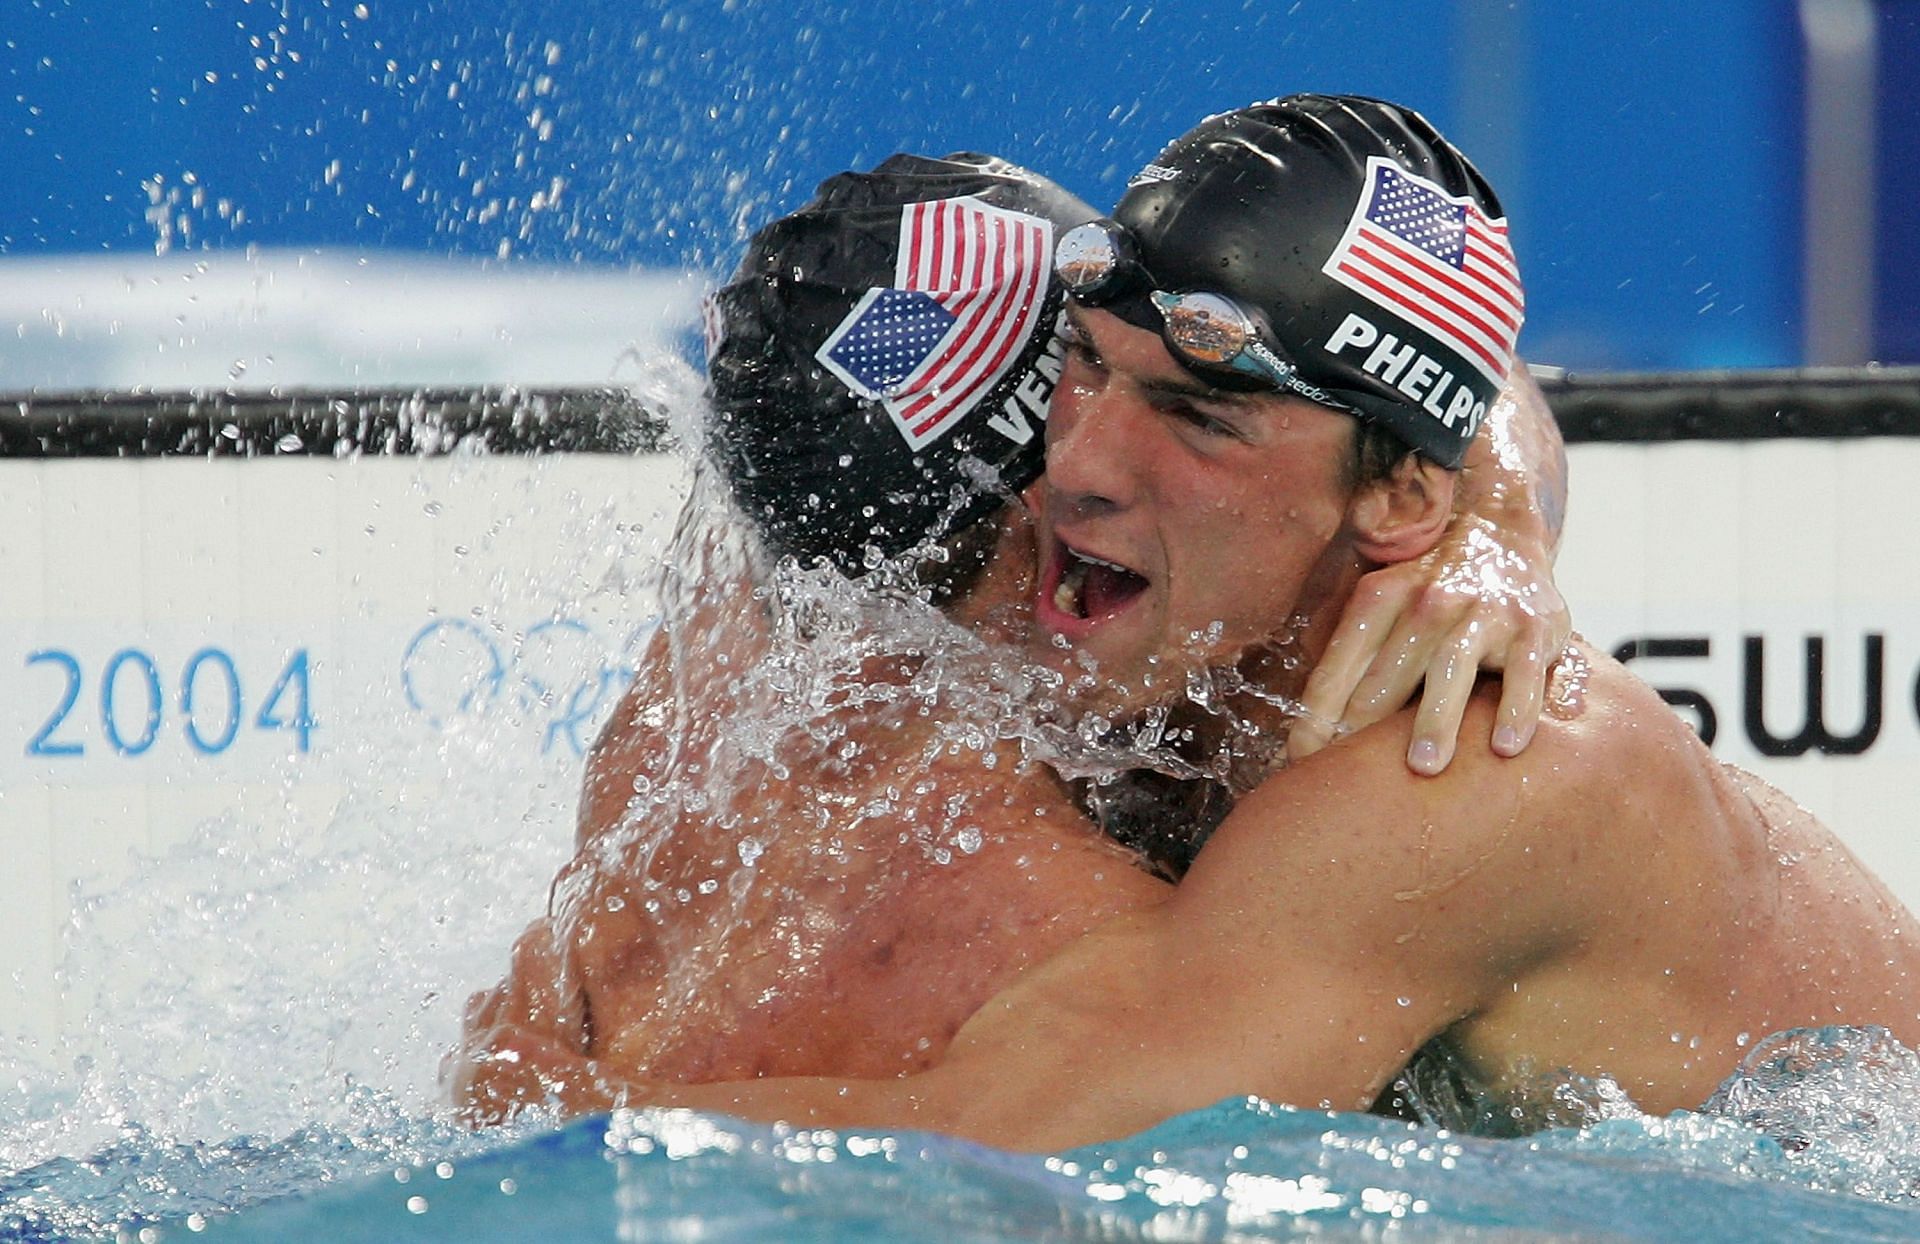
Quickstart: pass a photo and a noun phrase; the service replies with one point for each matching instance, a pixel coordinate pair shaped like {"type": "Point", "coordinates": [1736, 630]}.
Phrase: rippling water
{"type": "Point", "coordinates": [1240, 1170]}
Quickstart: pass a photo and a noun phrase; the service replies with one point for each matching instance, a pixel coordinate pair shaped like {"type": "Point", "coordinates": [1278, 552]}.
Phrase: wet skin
{"type": "Point", "coordinates": [1152, 472]}
{"type": "Point", "coordinates": [1183, 528]}
{"type": "Point", "coordinates": [861, 939]}
{"type": "Point", "coordinates": [1613, 901]}
{"type": "Point", "coordinates": [853, 951]}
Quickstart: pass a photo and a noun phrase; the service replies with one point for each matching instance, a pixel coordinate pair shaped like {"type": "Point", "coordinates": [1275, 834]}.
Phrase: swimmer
{"type": "Point", "coordinates": [1612, 902]}
{"type": "Point", "coordinates": [854, 953]}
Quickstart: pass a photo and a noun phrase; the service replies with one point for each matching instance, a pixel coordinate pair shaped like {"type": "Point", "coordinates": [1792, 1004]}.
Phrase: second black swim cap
{"type": "Point", "coordinates": [1377, 254]}
{"type": "Point", "coordinates": [886, 355]}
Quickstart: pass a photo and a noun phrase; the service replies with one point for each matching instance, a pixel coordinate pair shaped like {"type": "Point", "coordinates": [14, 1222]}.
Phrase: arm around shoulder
{"type": "Point", "coordinates": [1300, 967]}
{"type": "Point", "coordinates": [1482, 599]}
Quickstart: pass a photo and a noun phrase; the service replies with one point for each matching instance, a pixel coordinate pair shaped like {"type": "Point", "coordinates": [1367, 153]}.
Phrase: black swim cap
{"type": "Point", "coordinates": [1376, 253]}
{"type": "Point", "coordinates": [880, 347]}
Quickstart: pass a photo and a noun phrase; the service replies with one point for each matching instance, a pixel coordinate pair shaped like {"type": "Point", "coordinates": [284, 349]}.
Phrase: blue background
{"type": "Point", "coordinates": [1649, 151]}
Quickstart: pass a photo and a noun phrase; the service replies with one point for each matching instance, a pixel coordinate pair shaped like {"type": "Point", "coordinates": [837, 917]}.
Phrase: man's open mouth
{"type": "Point", "coordinates": [1089, 587]}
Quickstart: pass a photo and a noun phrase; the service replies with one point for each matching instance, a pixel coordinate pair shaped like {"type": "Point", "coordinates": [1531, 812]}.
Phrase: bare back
{"type": "Point", "coordinates": [1695, 910]}
{"type": "Point", "coordinates": [1613, 902]}
{"type": "Point", "coordinates": [839, 909]}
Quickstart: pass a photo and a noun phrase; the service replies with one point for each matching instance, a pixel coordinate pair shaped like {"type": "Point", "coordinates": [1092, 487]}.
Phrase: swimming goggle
{"type": "Point", "coordinates": [1208, 332]}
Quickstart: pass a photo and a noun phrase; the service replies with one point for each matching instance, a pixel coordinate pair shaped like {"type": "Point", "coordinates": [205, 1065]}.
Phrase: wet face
{"type": "Point", "coordinates": [993, 602]}
{"type": "Point", "coordinates": [1179, 523]}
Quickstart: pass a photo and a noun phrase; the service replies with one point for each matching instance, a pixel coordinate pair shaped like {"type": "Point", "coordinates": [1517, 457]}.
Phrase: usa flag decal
{"type": "Point", "coordinates": [965, 300]}
{"type": "Point", "coordinates": [1435, 261]}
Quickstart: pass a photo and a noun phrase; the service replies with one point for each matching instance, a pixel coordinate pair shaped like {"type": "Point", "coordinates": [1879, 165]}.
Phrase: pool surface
{"type": "Point", "coordinates": [1240, 1170]}
{"type": "Point", "coordinates": [1815, 1140]}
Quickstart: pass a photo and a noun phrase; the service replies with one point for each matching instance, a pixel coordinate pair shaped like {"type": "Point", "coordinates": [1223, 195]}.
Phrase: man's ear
{"type": "Point", "coordinates": [1399, 518]}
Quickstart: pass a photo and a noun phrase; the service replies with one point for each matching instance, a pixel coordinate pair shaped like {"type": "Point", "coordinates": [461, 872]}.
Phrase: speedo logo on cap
{"type": "Point", "coordinates": [1153, 173]}
{"type": "Point", "coordinates": [1435, 261]}
{"type": "Point", "coordinates": [966, 299]}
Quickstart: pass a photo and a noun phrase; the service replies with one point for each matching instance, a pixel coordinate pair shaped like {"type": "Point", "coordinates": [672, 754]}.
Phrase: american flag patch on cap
{"type": "Point", "coordinates": [1435, 261]}
{"type": "Point", "coordinates": [967, 294]}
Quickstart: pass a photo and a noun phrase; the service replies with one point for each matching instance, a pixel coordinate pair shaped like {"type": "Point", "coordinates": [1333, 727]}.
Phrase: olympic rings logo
{"type": "Point", "coordinates": [559, 672]}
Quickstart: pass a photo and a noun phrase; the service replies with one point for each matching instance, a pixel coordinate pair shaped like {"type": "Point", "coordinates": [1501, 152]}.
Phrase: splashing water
{"type": "Point", "coordinates": [264, 980]}
{"type": "Point", "coordinates": [1844, 1104]}
{"type": "Point", "coordinates": [1241, 1170]}
{"type": "Point", "coordinates": [815, 753]}
{"type": "Point", "coordinates": [244, 1044]}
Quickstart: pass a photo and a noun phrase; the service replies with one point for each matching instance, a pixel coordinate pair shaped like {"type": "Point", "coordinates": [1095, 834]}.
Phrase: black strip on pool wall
{"type": "Point", "coordinates": [333, 424]}
{"type": "Point", "coordinates": [1638, 407]}
{"type": "Point", "coordinates": [1620, 407]}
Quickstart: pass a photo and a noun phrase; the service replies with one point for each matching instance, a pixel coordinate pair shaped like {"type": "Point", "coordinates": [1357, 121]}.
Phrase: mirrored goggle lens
{"type": "Point", "coordinates": [1088, 258]}
{"type": "Point", "coordinates": [1205, 327]}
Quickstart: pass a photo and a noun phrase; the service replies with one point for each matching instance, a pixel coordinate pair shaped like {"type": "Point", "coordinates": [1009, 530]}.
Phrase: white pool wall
{"type": "Point", "coordinates": [1779, 541]}
{"type": "Point", "coordinates": [454, 622]}
{"type": "Point", "coordinates": [396, 603]}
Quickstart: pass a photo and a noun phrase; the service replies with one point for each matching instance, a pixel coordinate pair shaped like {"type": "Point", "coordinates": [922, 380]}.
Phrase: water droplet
{"type": "Point", "coordinates": [416, 1205]}
{"type": "Point", "coordinates": [750, 850]}
{"type": "Point", "coordinates": [1403, 1001]}
{"type": "Point", "coordinates": [968, 840]}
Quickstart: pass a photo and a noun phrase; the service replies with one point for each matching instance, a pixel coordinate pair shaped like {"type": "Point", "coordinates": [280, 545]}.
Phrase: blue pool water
{"type": "Point", "coordinates": [1814, 1141]}
{"type": "Point", "coordinates": [1239, 1170]}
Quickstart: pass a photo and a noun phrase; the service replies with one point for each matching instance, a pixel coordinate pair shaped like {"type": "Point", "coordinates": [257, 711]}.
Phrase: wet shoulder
{"type": "Point", "coordinates": [631, 744]}
{"type": "Point", "coordinates": [1609, 765]}
{"type": "Point", "coordinates": [1604, 731]}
